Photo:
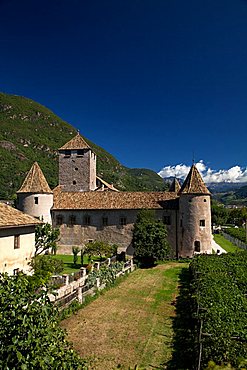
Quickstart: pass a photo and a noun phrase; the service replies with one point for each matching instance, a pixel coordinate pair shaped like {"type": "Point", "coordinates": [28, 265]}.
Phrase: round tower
{"type": "Point", "coordinates": [35, 196]}
{"type": "Point", "coordinates": [194, 221]}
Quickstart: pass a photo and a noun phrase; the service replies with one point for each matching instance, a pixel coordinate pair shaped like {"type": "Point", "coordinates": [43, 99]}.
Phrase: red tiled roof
{"type": "Point", "coordinates": [11, 217]}
{"type": "Point", "coordinates": [35, 181]}
{"type": "Point", "coordinates": [76, 143]}
{"type": "Point", "coordinates": [110, 200]}
{"type": "Point", "coordinates": [194, 184]}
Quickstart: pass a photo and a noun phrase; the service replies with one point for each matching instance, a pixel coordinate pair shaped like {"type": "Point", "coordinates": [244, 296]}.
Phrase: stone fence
{"type": "Point", "coordinates": [77, 286]}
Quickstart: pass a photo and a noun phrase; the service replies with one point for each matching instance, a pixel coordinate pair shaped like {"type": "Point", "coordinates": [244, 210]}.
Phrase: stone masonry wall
{"type": "Point", "coordinates": [77, 172]}
{"type": "Point", "coordinates": [79, 234]}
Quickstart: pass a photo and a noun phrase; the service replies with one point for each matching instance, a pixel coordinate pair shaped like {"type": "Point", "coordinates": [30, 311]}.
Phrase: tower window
{"type": "Point", "coordinates": [59, 220]}
{"type": "Point", "coordinates": [197, 246]}
{"type": "Point", "coordinates": [122, 221]}
{"type": "Point", "coordinates": [205, 200]}
{"type": "Point", "coordinates": [202, 223]}
{"type": "Point", "coordinates": [76, 168]}
{"type": "Point", "coordinates": [36, 200]}
{"type": "Point", "coordinates": [72, 220]}
{"type": "Point", "coordinates": [74, 182]}
{"type": "Point", "coordinates": [80, 152]}
{"type": "Point", "coordinates": [87, 220]}
{"type": "Point", "coordinates": [67, 153]}
{"type": "Point", "coordinates": [167, 220]}
{"type": "Point", "coordinates": [104, 221]}
{"type": "Point", "coordinates": [16, 241]}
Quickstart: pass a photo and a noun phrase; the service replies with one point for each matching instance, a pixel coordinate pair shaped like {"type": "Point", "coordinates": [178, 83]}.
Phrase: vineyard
{"type": "Point", "coordinates": [238, 233]}
{"type": "Point", "coordinates": [219, 288]}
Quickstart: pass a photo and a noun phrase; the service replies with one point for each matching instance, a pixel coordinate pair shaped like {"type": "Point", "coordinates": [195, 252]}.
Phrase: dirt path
{"type": "Point", "coordinates": [129, 324]}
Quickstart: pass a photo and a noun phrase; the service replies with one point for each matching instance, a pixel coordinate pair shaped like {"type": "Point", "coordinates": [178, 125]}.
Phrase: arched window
{"type": "Point", "coordinates": [197, 246]}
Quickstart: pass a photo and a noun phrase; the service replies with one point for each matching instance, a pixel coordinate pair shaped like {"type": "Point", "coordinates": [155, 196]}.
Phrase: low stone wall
{"type": "Point", "coordinates": [79, 287]}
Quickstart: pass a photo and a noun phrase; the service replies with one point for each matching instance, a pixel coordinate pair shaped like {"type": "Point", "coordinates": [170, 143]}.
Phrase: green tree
{"type": "Point", "coordinates": [149, 238]}
{"type": "Point", "coordinates": [43, 267]}
{"type": "Point", "coordinates": [100, 248]}
{"type": "Point", "coordinates": [46, 238]}
{"type": "Point", "coordinates": [30, 335]}
{"type": "Point", "coordinates": [75, 251]}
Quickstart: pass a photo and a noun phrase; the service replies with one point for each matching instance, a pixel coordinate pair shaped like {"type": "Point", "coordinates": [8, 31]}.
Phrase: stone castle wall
{"type": "Point", "coordinates": [114, 233]}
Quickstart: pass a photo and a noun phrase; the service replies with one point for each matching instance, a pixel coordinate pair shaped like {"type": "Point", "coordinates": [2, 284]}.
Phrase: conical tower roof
{"type": "Point", "coordinates": [76, 143]}
{"type": "Point", "coordinates": [35, 181]}
{"type": "Point", "coordinates": [175, 186]}
{"type": "Point", "coordinates": [194, 184]}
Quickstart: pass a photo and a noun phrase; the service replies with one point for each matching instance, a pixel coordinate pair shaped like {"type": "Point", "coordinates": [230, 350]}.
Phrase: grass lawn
{"type": "Point", "coordinates": [130, 324]}
{"type": "Point", "coordinates": [69, 264]}
{"type": "Point", "coordinates": [226, 244]}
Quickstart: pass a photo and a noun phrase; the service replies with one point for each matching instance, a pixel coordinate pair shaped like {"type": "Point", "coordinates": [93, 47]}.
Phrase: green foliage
{"type": "Point", "coordinates": [30, 132]}
{"type": "Point", "coordinates": [44, 266]}
{"type": "Point", "coordinates": [75, 251]}
{"type": "Point", "coordinates": [150, 238]}
{"type": "Point", "coordinates": [29, 331]}
{"type": "Point", "coordinates": [106, 274]}
{"type": "Point", "coordinates": [219, 291]}
{"type": "Point", "coordinates": [45, 238]}
{"type": "Point", "coordinates": [99, 248]}
{"type": "Point", "coordinates": [238, 233]}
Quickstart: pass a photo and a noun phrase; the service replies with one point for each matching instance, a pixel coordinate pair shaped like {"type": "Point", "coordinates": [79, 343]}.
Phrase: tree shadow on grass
{"type": "Point", "coordinates": [184, 327]}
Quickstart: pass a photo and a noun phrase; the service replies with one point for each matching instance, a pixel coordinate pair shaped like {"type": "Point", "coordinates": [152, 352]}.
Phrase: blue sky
{"type": "Point", "coordinates": [154, 82]}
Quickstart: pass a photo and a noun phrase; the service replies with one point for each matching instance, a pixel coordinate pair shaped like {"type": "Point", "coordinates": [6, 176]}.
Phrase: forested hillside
{"type": "Point", "coordinates": [30, 132]}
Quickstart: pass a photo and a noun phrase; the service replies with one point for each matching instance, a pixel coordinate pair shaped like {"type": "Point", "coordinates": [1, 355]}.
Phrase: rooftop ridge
{"type": "Point", "coordinates": [35, 181]}
{"type": "Point", "coordinates": [77, 142]}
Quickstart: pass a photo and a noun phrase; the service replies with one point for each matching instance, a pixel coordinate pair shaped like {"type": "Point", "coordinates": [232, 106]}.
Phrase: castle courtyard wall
{"type": "Point", "coordinates": [79, 234]}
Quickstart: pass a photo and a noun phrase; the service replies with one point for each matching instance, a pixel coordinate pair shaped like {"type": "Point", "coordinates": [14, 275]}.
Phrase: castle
{"type": "Point", "coordinates": [86, 208]}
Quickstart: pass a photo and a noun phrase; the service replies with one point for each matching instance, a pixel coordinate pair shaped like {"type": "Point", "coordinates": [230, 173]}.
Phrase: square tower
{"type": "Point", "coordinates": [77, 166]}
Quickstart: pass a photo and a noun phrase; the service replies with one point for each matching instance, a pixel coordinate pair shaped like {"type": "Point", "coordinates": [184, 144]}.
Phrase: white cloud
{"type": "Point", "coordinates": [233, 174]}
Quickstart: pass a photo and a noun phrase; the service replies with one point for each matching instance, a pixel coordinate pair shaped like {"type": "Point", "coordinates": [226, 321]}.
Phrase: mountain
{"type": "Point", "coordinates": [30, 132]}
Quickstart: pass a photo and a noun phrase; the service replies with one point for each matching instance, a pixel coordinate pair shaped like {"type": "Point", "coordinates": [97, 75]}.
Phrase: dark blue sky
{"type": "Point", "coordinates": [151, 81]}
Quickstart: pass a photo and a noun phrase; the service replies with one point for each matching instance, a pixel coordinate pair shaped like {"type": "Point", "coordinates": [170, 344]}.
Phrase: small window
{"type": "Point", "coordinates": [167, 220]}
{"type": "Point", "coordinates": [16, 241]}
{"type": "Point", "coordinates": [15, 271]}
{"type": "Point", "coordinates": [36, 200]}
{"type": "Point", "coordinates": [59, 220]}
{"type": "Point", "coordinates": [122, 221]}
{"type": "Point", "coordinates": [104, 221]}
{"type": "Point", "coordinates": [205, 200]}
{"type": "Point", "coordinates": [202, 223]}
{"type": "Point", "coordinates": [87, 220]}
{"type": "Point", "coordinates": [76, 168]}
{"type": "Point", "coordinates": [74, 182]}
{"type": "Point", "coordinates": [197, 246]}
{"type": "Point", "coordinates": [80, 152]}
{"type": "Point", "coordinates": [67, 153]}
{"type": "Point", "coordinates": [90, 240]}
{"type": "Point", "coordinates": [72, 220]}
